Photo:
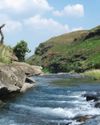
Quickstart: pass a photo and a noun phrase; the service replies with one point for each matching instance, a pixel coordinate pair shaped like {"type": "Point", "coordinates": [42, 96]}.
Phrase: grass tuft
{"type": "Point", "coordinates": [5, 54]}
{"type": "Point", "coordinates": [93, 73]}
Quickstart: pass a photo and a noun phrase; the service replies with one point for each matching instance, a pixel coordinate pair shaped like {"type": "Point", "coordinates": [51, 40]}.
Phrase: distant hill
{"type": "Point", "coordinates": [72, 52]}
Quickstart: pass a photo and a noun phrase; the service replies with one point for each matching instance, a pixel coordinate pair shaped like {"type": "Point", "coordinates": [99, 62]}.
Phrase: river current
{"type": "Point", "coordinates": [52, 102]}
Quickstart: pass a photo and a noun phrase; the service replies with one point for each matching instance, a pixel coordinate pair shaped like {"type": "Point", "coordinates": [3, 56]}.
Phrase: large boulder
{"type": "Point", "coordinates": [15, 77]}
{"type": "Point", "coordinates": [11, 77]}
{"type": "Point", "coordinates": [26, 86]}
{"type": "Point", "coordinates": [29, 70]}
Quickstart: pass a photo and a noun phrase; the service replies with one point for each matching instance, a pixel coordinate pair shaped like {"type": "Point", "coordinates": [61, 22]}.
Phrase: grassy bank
{"type": "Point", "coordinates": [95, 74]}
{"type": "Point", "coordinates": [5, 54]}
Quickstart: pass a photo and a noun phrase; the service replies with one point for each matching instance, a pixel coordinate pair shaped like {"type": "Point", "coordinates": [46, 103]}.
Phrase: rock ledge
{"type": "Point", "coordinates": [15, 77]}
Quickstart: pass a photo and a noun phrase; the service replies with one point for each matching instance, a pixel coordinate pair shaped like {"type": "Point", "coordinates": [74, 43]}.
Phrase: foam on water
{"type": "Point", "coordinates": [64, 122]}
{"type": "Point", "coordinates": [85, 109]}
{"type": "Point", "coordinates": [6, 121]}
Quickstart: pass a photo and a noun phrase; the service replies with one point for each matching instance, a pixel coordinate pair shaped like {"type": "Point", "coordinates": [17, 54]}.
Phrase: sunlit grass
{"type": "Point", "coordinates": [93, 73]}
{"type": "Point", "coordinates": [5, 54]}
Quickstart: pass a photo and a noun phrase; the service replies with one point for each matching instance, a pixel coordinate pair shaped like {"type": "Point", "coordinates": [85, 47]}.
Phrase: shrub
{"type": "Point", "coordinates": [20, 50]}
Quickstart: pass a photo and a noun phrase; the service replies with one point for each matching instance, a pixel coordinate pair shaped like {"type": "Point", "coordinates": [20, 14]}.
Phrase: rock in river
{"type": "Point", "coordinates": [92, 96]}
{"type": "Point", "coordinates": [15, 77]}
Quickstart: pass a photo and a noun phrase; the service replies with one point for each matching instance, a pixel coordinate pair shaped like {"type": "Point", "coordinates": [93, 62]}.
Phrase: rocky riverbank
{"type": "Point", "coordinates": [15, 77]}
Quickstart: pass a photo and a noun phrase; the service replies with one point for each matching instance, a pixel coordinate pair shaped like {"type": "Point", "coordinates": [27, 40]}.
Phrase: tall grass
{"type": "Point", "coordinates": [93, 73]}
{"type": "Point", "coordinates": [5, 54]}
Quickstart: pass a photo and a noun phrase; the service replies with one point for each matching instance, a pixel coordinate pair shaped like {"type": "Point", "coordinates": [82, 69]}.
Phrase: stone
{"type": "Point", "coordinates": [14, 78]}
{"type": "Point", "coordinates": [29, 70]}
{"type": "Point", "coordinates": [92, 96]}
{"type": "Point", "coordinates": [26, 86]}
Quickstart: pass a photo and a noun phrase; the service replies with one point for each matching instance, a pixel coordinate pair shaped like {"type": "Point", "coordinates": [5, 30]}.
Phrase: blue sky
{"type": "Point", "coordinates": [37, 20]}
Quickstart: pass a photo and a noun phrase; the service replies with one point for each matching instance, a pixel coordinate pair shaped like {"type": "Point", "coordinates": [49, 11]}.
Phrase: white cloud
{"type": "Point", "coordinates": [11, 25]}
{"type": "Point", "coordinates": [48, 26]}
{"type": "Point", "coordinates": [12, 4]}
{"type": "Point", "coordinates": [71, 10]}
{"type": "Point", "coordinates": [78, 28]}
{"type": "Point", "coordinates": [24, 5]}
{"type": "Point", "coordinates": [39, 23]}
{"type": "Point", "coordinates": [42, 4]}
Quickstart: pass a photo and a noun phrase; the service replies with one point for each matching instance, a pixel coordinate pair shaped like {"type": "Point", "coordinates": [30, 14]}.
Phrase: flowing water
{"type": "Point", "coordinates": [56, 100]}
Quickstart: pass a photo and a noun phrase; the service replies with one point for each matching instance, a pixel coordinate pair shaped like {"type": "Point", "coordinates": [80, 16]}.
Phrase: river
{"type": "Point", "coordinates": [55, 100]}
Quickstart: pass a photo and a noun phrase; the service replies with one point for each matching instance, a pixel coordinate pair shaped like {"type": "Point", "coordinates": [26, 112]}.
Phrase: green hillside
{"type": "Point", "coordinates": [73, 52]}
{"type": "Point", "coordinates": [5, 54]}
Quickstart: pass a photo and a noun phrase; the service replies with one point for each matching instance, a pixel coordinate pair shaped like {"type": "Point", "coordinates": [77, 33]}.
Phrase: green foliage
{"type": "Point", "coordinates": [34, 60]}
{"type": "Point", "coordinates": [58, 64]}
{"type": "Point", "coordinates": [39, 49]}
{"type": "Point", "coordinates": [46, 70]}
{"type": "Point", "coordinates": [20, 50]}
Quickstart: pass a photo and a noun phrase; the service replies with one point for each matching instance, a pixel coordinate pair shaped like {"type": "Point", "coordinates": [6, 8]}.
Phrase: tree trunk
{"type": "Point", "coordinates": [1, 33]}
{"type": "Point", "coordinates": [2, 37]}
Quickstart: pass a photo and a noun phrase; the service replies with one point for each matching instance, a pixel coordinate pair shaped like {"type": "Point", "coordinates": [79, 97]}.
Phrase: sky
{"type": "Point", "coordinates": [36, 21]}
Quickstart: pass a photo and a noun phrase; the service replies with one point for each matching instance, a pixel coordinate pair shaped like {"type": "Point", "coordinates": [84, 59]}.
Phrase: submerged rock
{"type": "Point", "coordinates": [97, 104]}
{"type": "Point", "coordinates": [1, 103]}
{"type": "Point", "coordinates": [93, 121]}
{"type": "Point", "coordinates": [82, 118]}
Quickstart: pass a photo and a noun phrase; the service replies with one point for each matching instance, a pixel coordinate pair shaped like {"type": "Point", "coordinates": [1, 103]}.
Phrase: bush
{"type": "Point", "coordinates": [20, 50]}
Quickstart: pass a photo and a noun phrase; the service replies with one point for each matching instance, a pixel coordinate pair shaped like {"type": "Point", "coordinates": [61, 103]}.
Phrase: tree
{"type": "Point", "coordinates": [1, 33]}
{"type": "Point", "coordinates": [20, 50]}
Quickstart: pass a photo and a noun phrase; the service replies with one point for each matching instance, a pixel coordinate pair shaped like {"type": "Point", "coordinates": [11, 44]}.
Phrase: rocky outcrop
{"type": "Point", "coordinates": [29, 70]}
{"type": "Point", "coordinates": [15, 77]}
